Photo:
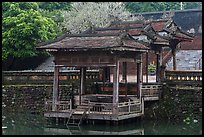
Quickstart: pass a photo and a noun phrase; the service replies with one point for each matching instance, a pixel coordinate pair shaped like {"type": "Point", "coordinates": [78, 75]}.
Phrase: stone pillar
{"type": "Point", "coordinates": [55, 88]}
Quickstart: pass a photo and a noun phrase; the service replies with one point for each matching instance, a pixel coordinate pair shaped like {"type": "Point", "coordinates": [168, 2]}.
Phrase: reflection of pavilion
{"type": "Point", "coordinates": [80, 131]}
{"type": "Point", "coordinates": [111, 49]}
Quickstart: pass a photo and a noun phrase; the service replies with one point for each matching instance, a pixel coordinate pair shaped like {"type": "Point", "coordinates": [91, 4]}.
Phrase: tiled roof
{"type": "Point", "coordinates": [158, 25]}
{"type": "Point", "coordinates": [110, 37]}
{"type": "Point", "coordinates": [95, 42]}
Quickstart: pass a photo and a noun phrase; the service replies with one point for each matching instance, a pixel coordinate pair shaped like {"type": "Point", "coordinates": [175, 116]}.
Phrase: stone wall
{"type": "Point", "coordinates": [44, 77]}
{"type": "Point", "coordinates": [30, 98]}
{"type": "Point", "coordinates": [27, 90]}
{"type": "Point", "coordinates": [177, 105]}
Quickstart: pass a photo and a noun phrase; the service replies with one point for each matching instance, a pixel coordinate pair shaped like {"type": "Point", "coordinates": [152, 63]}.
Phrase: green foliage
{"type": "Point", "coordinates": [22, 28]}
{"type": "Point", "coordinates": [135, 7]}
{"type": "Point", "coordinates": [192, 5]}
{"type": "Point", "coordinates": [151, 67]}
{"type": "Point", "coordinates": [51, 6]}
{"type": "Point", "coordinates": [54, 10]}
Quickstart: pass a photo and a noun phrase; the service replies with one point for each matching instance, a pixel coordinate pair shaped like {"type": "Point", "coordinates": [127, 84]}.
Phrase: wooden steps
{"type": "Point", "coordinates": [77, 115]}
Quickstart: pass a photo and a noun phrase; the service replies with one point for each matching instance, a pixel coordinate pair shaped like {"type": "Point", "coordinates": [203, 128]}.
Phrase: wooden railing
{"type": "Point", "coordinates": [61, 105]}
{"type": "Point", "coordinates": [123, 107]}
{"type": "Point", "coordinates": [100, 107]}
{"type": "Point", "coordinates": [151, 90]}
{"type": "Point", "coordinates": [130, 107]}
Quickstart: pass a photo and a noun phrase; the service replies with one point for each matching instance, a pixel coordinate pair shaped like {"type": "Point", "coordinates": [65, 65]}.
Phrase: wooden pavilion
{"type": "Point", "coordinates": [107, 47]}
{"type": "Point", "coordinates": [97, 50]}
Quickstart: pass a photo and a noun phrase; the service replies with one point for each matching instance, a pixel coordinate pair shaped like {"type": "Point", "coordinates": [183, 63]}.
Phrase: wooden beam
{"type": "Point", "coordinates": [55, 88]}
{"type": "Point", "coordinates": [116, 88]}
{"type": "Point", "coordinates": [126, 60]}
{"type": "Point", "coordinates": [86, 65]}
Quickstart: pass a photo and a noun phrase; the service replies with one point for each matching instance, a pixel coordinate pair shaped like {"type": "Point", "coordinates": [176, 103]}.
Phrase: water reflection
{"type": "Point", "coordinates": [30, 124]}
{"type": "Point", "coordinates": [96, 130]}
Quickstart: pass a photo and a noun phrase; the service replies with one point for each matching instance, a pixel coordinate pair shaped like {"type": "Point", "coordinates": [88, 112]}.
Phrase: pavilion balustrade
{"type": "Point", "coordinates": [183, 75]}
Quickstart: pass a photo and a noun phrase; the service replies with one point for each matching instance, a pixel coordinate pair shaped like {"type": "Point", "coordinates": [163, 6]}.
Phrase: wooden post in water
{"type": "Point", "coordinates": [55, 88]}
{"type": "Point", "coordinates": [115, 87]}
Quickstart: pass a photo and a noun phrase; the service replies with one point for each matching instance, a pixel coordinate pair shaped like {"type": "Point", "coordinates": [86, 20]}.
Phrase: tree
{"type": "Point", "coordinates": [22, 28]}
{"type": "Point", "coordinates": [135, 7]}
{"type": "Point", "coordinates": [99, 14]}
{"type": "Point", "coordinates": [54, 10]}
{"type": "Point", "coordinates": [192, 5]}
{"type": "Point", "coordinates": [51, 6]}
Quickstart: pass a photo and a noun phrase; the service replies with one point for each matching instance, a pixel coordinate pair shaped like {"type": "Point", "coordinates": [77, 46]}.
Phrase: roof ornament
{"type": "Point", "coordinates": [122, 36]}
{"type": "Point", "coordinates": [113, 18]}
{"type": "Point", "coordinates": [138, 17]}
{"type": "Point", "coordinates": [168, 15]}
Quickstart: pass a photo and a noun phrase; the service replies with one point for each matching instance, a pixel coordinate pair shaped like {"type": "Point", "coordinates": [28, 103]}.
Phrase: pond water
{"type": "Point", "coordinates": [33, 124]}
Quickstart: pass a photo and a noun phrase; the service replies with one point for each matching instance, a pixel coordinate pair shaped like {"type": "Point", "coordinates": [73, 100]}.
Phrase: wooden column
{"type": "Point", "coordinates": [161, 67]}
{"type": "Point", "coordinates": [55, 88]}
{"type": "Point", "coordinates": [104, 79]}
{"type": "Point", "coordinates": [147, 62]}
{"type": "Point", "coordinates": [124, 72]}
{"type": "Point", "coordinates": [107, 73]}
{"type": "Point", "coordinates": [124, 78]}
{"type": "Point", "coordinates": [157, 67]}
{"type": "Point", "coordinates": [82, 83]}
{"type": "Point", "coordinates": [174, 58]}
{"type": "Point", "coordinates": [161, 58]}
{"type": "Point", "coordinates": [139, 78]}
{"type": "Point", "coordinates": [116, 87]}
{"type": "Point", "coordinates": [139, 93]}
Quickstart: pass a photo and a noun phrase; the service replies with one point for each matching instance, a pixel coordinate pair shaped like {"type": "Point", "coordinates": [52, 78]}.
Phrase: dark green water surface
{"type": "Point", "coordinates": [33, 124]}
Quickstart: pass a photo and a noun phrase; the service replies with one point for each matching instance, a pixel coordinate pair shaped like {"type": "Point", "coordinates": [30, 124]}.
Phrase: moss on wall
{"type": "Point", "coordinates": [29, 98]}
{"type": "Point", "coordinates": [177, 105]}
